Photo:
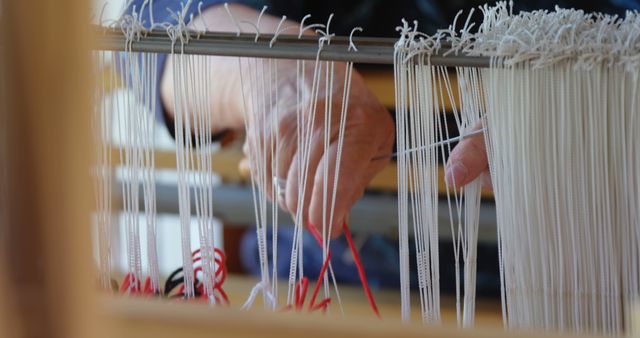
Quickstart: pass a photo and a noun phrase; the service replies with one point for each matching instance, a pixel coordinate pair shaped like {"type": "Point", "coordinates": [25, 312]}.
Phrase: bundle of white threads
{"type": "Point", "coordinates": [135, 130]}
{"type": "Point", "coordinates": [559, 104]}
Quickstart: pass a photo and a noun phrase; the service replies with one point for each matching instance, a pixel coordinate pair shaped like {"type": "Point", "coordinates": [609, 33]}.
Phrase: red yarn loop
{"type": "Point", "coordinates": [220, 275]}
{"type": "Point", "coordinates": [131, 285]}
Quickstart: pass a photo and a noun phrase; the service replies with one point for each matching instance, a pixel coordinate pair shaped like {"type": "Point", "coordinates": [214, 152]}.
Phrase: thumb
{"type": "Point", "coordinates": [467, 161]}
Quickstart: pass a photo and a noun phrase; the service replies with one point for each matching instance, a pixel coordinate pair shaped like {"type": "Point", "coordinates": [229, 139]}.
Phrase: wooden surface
{"type": "Point", "coordinates": [144, 318]}
{"type": "Point", "coordinates": [381, 83]}
{"type": "Point", "coordinates": [355, 303]}
{"type": "Point", "coordinates": [45, 47]}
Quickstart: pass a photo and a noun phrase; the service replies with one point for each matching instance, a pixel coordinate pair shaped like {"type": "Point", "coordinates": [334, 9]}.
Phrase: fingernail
{"type": "Point", "coordinates": [336, 228]}
{"type": "Point", "coordinates": [456, 173]}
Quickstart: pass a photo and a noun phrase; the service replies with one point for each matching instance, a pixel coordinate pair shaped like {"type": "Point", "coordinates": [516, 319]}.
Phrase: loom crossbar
{"type": "Point", "coordinates": [370, 50]}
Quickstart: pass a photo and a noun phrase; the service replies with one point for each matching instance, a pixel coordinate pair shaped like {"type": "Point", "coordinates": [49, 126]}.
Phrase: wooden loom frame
{"type": "Point", "coordinates": [46, 273]}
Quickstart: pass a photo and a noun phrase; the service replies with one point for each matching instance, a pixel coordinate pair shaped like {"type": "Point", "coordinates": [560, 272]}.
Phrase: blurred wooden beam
{"type": "Point", "coordinates": [142, 318]}
{"type": "Point", "coordinates": [48, 67]}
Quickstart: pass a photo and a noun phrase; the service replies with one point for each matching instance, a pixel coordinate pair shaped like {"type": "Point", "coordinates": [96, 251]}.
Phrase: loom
{"type": "Point", "coordinates": [420, 66]}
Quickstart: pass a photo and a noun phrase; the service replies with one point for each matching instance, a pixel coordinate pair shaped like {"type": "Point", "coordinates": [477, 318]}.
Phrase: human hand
{"type": "Point", "coordinates": [468, 160]}
{"type": "Point", "coordinates": [369, 133]}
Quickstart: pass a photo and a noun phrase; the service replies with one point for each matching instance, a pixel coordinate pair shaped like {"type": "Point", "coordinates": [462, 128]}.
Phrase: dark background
{"type": "Point", "coordinates": [381, 17]}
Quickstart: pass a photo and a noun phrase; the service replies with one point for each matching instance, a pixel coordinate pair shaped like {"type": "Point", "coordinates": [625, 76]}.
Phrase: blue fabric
{"type": "Point", "coordinates": [379, 257]}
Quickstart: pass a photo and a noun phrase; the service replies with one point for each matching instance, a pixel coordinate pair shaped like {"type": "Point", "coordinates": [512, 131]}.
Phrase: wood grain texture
{"type": "Point", "coordinates": [142, 318]}
{"type": "Point", "coordinates": [49, 88]}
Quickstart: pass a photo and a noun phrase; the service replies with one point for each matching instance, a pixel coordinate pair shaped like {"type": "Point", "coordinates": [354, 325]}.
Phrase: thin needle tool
{"type": "Point", "coordinates": [432, 145]}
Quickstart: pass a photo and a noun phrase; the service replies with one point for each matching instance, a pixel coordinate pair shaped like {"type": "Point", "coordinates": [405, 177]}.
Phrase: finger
{"type": "Point", "coordinates": [285, 155]}
{"type": "Point", "coordinates": [291, 186]}
{"type": "Point", "coordinates": [486, 180]}
{"type": "Point", "coordinates": [259, 153]}
{"type": "Point", "coordinates": [287, 148]}
{"type": "Point", "coordinates": [373, 169]}
{"type": "Point", "coordinates": [386, 139]}
{"type": "Point", "coordinates": [356, 170]}
{"type": "Point", "coordinates": [308, 170]}
{"type": "Point", "coordinates": [467, 161]}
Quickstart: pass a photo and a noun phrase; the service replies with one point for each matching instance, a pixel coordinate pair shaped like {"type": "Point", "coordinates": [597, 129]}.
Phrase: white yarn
{"type": "Point", "coordinates": [147, 134]}
{"type": "Point", "coordinates": [422, 92]}
{"type": "Point", "coordinates": [472, 106]}
{"type": "Point", "coordinates": [271, 299]}
{"type": "Point", "coordinates": [559, 105]}
{"type": "Point", "coordinates": [260, 97]}
{"type": "Point", "coordinates": [255, 121]}
{"type": "Point", "coordinates": [262, 115]}
{"type": "Point", "coordinates": [136, 155]}
{"type": "Point", "coordinates": [401, 82]}
{"type": "Point", "coordinates": [417, 118]}
{"type": "Point", "coordinates": [183, 77]}
{"type": "Point", "coordinates": [578, 235]}
{"type": "Point", "coordinates": [193, 152]}
{"type": "Point", "coordinates": [202, 167]}
{"type": "Point", "coordinates": [192, 119]}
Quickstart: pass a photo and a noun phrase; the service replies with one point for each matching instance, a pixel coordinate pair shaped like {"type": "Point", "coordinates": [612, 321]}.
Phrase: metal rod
{"type": "Point", "coordinates": [370, 50]}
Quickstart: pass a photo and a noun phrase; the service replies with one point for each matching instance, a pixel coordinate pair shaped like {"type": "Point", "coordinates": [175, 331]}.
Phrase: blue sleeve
{"type": "Point", "coordinates": [162, 14]}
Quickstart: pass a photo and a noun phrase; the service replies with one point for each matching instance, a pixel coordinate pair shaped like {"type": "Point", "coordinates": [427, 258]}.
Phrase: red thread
{"type": "Point", "coordinates": [300, 295]}
{"type": "Point", "coordinates": [356, 258]}
{"type": "Point", "coordinates": [302, 286]}
{"type": "Point", "coordinates": [220, 275]}
{"type": "Point", "coordinates": [130, 284]}
{"type": "Point", "coordinates": [324, 304]}
{"type": "Point", "coordinates": [323, 270]}
{"type": "Point", "coordinates": [148, 288]}
{"type": "Point", "coordinates": [359, 266]}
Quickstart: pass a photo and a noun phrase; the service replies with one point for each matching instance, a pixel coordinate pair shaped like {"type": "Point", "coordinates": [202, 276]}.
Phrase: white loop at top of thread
{"type": "Point", "coordinates": [233, 19]}
{"type": "Point", "coordinates": [264, 9]}
{"type": "Point", "coordinates": [352, 46]}
{"type": "Point", "coordinates": [278, 31]}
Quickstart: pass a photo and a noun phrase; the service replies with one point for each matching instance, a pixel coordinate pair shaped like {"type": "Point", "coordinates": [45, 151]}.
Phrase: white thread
{"type": "Point", "coordinates": [233, 19]}
{"type": "Point", "coordinates": [182, 64]}
{"type": "Point", "coordinates": [278, 31]}
{"type": "Point", "coordinates": [552, 103]}
{"type": "Point", "coordinates": [254, 293]}
{"type": "Point", "coordinates": [204, 22]}
{"type": "Point", "coordinates": [262, 114]}
{"type": "Point", "coordinates": [264, 9]}
{"type": "Point", "coordinates": [304, 28]}
{"type": "Point", "coordinates": [352, 46]}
